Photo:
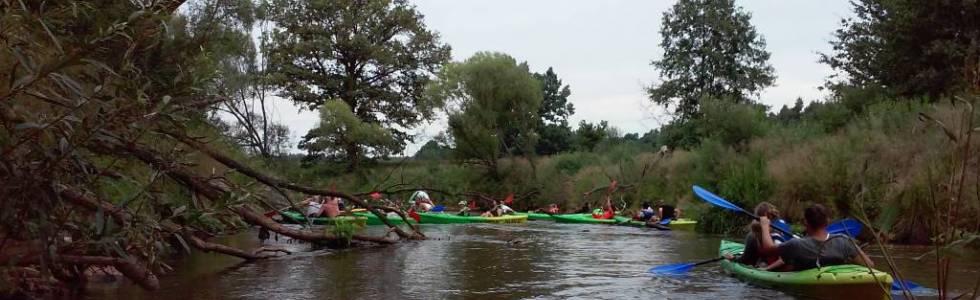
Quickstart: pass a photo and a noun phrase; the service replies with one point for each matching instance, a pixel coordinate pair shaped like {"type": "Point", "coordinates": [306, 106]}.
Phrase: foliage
{"type": "Point", "coordinates": [492, 103]}
{"type": "Point", "coordinates": [554, 134]}
{"type": "Point", "coordinates": [710, 50]}
{"type": "Point", "coordinates": [339, 126]}
{"type": "Point", "coordinates": [376, 56]}
{"type": "Point", "coordinates": [589, 135]}
{"type": "Point", "coordinates": [731, 123]}
{"type": "Point", "coordinates": [912, 47]}
{"type": "Point", "coordinates": [432, 150]}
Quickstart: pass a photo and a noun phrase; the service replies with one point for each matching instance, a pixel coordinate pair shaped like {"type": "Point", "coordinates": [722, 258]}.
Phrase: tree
{"type": "Point", "coordinates": [339, 126]}
{"type": "Point", "coordinates": [787, 115]}
{"type": "Point", "coordinates": [432, 150]}
{"type": "Point", "coordinates": [492, 103]}
{"type": "Point", "coordinates": [553, 131]}
{"type": "Point", "coordinates": [710, 50]}
{"type": "Point", "coordinates": [914, 47]}
{"type": "Point", "coordinates": [589, 135]}
{"type": "Point", "coordinates": [374, 55]}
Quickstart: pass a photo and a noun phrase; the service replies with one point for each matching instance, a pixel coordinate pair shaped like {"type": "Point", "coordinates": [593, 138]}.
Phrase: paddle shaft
{"type": "Point", "coordinates": [709, 261]}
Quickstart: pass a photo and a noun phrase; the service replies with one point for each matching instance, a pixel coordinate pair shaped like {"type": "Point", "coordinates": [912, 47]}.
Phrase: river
{"type": "Point", "coordinates": [540, 260]}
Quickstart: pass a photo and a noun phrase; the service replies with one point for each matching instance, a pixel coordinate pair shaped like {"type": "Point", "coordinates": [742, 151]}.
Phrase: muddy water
{"type": "Point", "coordinates": [541, 260]}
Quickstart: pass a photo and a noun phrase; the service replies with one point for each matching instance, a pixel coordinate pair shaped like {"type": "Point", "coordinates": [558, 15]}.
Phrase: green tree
{"type": "Point", "coordinates": [710, 50]}
{"type": "Point", "coordinates": [914, 47]}
{"type": "Point", "coordinates": [432, 150]}
{"type": "Point", "coordinates": [339, 126]}
{"type": "Point", "coordinates": [492, 103]}
{"type": "Point", "coordinates": [374, 55]}
{"type": "Point", "coordinates": [553, 131]}
{"type": "Point", "coordinates": [589, 135]}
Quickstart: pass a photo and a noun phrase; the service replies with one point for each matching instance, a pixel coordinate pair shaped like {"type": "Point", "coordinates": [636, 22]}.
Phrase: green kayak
{"type": "Point", "coordinates": [679, 224]}
{"type": "Point", "coordinates": [449, 218]}
{"type": "Point", "coordinates": [841, 281]}
{"type": "Point", "coordinates": [533, 216]}
{"type": "Point", "coordinates": [374, 220]}
{"type": "Point", "coordinates": [293, 217]}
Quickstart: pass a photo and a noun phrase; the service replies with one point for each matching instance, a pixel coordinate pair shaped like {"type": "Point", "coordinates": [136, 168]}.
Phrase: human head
{"type": "Point", "coordinates": [765, 208]}
{"type": "Point", "coordinates": [646, 205]}
{"type": "Point", "coordinates": [816, 216]}
{"type": "Point", "coordinates": [660, 202]}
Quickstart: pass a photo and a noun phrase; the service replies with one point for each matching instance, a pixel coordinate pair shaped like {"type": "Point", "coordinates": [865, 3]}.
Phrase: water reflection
{"type": "Point", "coordinates": [540, 260]}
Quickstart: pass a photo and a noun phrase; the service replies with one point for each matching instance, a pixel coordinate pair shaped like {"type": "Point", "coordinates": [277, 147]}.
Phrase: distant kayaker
{"type": "Point", "coordinates": [498, 209]}
{"type": "Point", "coordinates": [667, 211]}
{"type": "Point", "coordinates": [819, 248]}
{"type": "Point", "coordinates": [646, 213]}
{"type": "Point", "coordinates": [607, 211]}
{"type": "Point", "coordinates": [313, 206]}
{"type": "Point", "coordinates": [751, 256]}
{"type": "Point", "coordinates": [422, 201]}
{"type": "Point", "coordinates": [552, 209]}
{"type": "Point", "coordinates": [331, 207]}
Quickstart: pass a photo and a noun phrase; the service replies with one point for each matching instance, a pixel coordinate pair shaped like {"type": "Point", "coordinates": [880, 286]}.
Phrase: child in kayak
{"type": "Point", "coordinates": [819, 248]}
{"type": "Point", "coordinates": [751, 255]}
{"type": "Point", "coordinates": [646, 213]}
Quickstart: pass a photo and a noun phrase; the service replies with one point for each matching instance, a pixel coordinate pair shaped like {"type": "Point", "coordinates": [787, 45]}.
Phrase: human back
{"type": "Point", "coordinates": [809, 252]}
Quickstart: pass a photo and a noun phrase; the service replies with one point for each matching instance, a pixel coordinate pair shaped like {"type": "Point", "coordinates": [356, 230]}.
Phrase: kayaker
{"type": "Point", "coordinates": [313, 206]}
{"type": "Point", "coordinates": [751, 256]}
{"type": "Point", "coordinates": [646, 213]}
{"type": "Point", "coordinates": [464, 210]}
{"type": "Point", "coordinates": [607, 211]}
{"type": "Point", "coordinates": [667, 211]}
{"type": "Point", "coordinates": [552, 209]}
{"type": "Point", "coordinates": [331, 207]}
{"type": "Point", "coordinates": [422, 201]}
{"type": "Point", "coordinates": [818, 248]}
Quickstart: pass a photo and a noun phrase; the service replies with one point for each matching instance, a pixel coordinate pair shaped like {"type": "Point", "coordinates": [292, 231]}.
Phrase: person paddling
{"type": "Point", "coordinates": [818, 249]}
{"type": "Point", "coordinates": [667, 211]}
{"type": "Point", "coordinates": [607, 211]}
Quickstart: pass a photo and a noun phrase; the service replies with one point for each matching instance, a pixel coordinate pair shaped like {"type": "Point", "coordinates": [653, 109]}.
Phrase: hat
{"type": "Point", "coordinates": [461, 203]}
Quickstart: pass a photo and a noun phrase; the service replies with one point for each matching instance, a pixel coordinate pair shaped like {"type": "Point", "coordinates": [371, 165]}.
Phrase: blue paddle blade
{"type": "Point", "coordinates": [665, 221]}
{"type": "Point", "coordinates": [849, 227]}
{"type": "Point", "coordinates": [716, 200]}
{"type": "Point", "coordinates": [782, 225]}
{"type": "Point", "coordinates": [897, 285]}
{"type": "Point", "coordinates": [437, 208]}
{"type": "Point", "coordinates": [675, 269]}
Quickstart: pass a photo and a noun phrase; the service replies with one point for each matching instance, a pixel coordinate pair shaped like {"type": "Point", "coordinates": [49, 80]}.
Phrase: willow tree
{"type": "Point", "coordinates": [492, 103]}
{"type": "Point", "coordinates": [375, 55]}
{"type": "Point", "coordinates": [711, 50]}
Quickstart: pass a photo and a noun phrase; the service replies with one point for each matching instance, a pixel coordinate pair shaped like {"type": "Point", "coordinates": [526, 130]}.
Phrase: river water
{"type": "Point", "coordinates": [540, 260]}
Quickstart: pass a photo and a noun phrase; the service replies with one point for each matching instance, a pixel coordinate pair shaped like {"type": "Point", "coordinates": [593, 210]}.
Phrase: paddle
{"type": "Point", "coordinates": [720, 202]}
{"type": "Point", "coordinates": [678, 269]}
{"type": "Point", "coordinates": [849, 227]}
{"type": "Point", "coordinates": [665, 221]}
{"type": "Point", "coordinates": [897, 285]}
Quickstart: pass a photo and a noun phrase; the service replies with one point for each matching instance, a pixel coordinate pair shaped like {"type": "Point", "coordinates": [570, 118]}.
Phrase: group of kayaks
{"type": "Point", "coordinates": [361, 218]}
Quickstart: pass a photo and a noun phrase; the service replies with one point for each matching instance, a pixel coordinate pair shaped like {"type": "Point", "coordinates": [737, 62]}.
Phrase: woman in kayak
{"type": "Point", "coordinates": [607, 211]}
{"type": "Point", "coordinates": [646, 213]}
{"type": "Point", "coordinates": [819, 248]}
{"type": "Point", "coordinates": [751, 255]}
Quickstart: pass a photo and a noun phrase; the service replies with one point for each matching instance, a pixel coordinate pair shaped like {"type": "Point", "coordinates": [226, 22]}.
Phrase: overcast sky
{"type": "Point", "coordinates": [603, 50]}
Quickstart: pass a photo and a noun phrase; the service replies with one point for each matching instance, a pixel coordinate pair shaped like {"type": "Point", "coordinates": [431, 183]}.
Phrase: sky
{"type": "Point", "coordinates": [603, 49]}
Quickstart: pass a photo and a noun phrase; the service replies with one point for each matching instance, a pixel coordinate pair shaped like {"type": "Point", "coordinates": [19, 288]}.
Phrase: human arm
{"type": "Point", "coordinates": [862, 259]}
{"type": "Point", "coordinates": [766, 245]}
{"type": "Point", "coordinates": [774, 265]}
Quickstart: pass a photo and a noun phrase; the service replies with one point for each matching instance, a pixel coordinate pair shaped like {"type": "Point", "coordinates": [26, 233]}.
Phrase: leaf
{"type": "Point", "coordinates": [949, 133]}
{"type": "Point", "coordinates": [179, 210]}
{"type": "Point", "coordinates": [54, 39]}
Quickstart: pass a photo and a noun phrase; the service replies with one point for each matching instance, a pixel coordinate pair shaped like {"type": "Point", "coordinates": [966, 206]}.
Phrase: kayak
{"type": "Point", "coordinates": [679, 224]}
{"type": "Point", "coordinates": [374, 220]}
{"type": "Point", "coordinates": [841, 281]}
{"type": "Point", "coordinates": [293, 217]}
{"type": "Point", "coordinates": [444, 218]}
{"type": "Point", "coordinates": [588, 219]}
{"type": "Point", "coordinates": [533, 216]}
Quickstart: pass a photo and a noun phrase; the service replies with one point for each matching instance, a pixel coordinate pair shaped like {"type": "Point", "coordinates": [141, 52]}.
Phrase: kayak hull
{"type": "Point", "coordinates": [532, 216]}
{"type": "Point", "coordinates": [443, 218]}
{"type": "Point", "coordinates": [679, 224]}
{"type": "Point", "coordinates": [293, 217]}
{"type": "Point", "coordinates": [374, 220]}
{"type": "Point", "coordinates": [832, 282]}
